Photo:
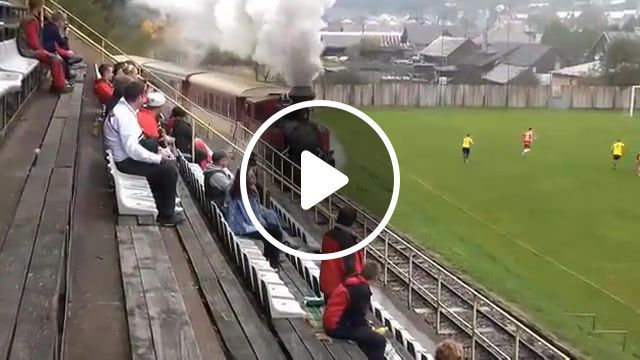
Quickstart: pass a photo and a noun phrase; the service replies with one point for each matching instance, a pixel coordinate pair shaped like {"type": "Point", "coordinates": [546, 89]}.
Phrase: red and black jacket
{"type": "Point", "coordinates": [333, 272]}
{"type": "Point", "coordinates": [103, 90]}
{"type": "Point", "coordinates": [348, 305]}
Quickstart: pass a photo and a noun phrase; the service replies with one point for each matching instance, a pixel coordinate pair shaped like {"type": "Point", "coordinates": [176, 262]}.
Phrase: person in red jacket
{"type": "Point", "coordinates": [29, 45]}
{"type": "Point", "coordinates": [341, 237]}
{"type": "Point", "coordinates": [148, 115]}
{"type": "Point", "coordinates": [344, 316]}
{"type": "Point", "coordinates": [103, 87]}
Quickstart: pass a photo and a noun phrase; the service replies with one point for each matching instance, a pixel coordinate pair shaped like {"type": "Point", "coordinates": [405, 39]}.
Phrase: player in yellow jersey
{"type": "Point", "coordinates": [617, 149]}
{"type": "Point", "coordinates": [466, 148]}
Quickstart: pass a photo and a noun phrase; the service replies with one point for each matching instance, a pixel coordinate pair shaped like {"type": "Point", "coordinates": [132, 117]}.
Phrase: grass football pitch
{"type": "Point", "coordinates": [554, 233]}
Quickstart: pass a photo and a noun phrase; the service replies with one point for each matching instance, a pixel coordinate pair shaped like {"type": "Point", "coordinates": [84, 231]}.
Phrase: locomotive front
{"type": "Point", "coordinates": [300, 132]}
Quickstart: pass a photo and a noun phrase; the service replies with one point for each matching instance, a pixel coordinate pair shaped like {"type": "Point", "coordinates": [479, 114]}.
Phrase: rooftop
{"type": "Point", "coordinates": [443, 46]}
{"type": "Point", "coordinates": [504, 73]}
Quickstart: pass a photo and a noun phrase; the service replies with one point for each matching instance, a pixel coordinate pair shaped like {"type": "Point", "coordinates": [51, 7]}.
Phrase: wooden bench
{"type": "Point", "coordinates": [243, 328]}
{"type": "Point", "coordinates": [159, 326]}
{"type": "Point", "coordinates": [32, 258]}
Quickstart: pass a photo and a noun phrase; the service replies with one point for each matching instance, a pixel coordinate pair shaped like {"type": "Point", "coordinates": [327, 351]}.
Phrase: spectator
{"type": "Point", "coordinates": [120, 82]}
{"type": "Point", "coordinates": [241, 224]}
{"type": "Point", "coordinates": [449, 350]}
{"type": "Point", "coordinates": [103, 90]}
{"type": "Point", "coordinates": [178, 127]}
{"type": "Point", "coordinates": [122, 136]}
{"type": "Point", "coordinates": [30, 46]}
{"type": "Point", "coordinates": [103, 87]}
{"type": "Point", "coordinates": [148, 116]}
{"type": "Point", "coordinates": [117, 68]}
{"type": "Point", "coordinates": [204, 155]}
{"type": "Point", "coordinates": [54, 40]}
{"type": "Point", "coordinates": [253, 165]}
{"type": "Point", "coordinates": [218, 179]}
{"type": "Point", "coordinates": [130, 70]}
{"type": "Point", "coordinates": [177, 114]}
{"type": "Point", "coordinates": [341, 237]}
{"type": "Point", "coordinates": [345, 314]}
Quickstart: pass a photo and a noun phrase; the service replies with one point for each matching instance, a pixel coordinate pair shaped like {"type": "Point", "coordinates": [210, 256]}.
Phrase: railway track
{"type": "Point", "coordinates": [447, 303]}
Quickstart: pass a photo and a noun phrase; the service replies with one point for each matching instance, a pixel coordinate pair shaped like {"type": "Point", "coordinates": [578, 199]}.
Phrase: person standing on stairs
{"type": "Point", "coordinates": [30, 46]}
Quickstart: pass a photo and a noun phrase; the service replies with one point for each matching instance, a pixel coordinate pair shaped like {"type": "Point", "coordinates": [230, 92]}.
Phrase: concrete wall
{"type": "Point", "coordinates": [408, 94]}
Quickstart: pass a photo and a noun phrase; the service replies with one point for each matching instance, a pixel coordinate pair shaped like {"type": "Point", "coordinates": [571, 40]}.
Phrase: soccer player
{"type": "Point", "coordinates": [617, 149]}
{"type": "Point", "coordinates": [466, 148]}
{"type": "Point", "coordinates": [528, 137]}
{"type": "Point", "coordinates": [638, 162]}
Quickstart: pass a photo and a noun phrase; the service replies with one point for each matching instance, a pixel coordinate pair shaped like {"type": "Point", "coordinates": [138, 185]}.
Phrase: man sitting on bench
{"type": "Point", "coordinates": [122, 136]}
{"type": "Point", "coordinates": [30, 46]}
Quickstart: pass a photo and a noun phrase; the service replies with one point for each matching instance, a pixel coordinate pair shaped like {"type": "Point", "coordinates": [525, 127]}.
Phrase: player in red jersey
{"type": "Point", "coordinates": [528, 137]}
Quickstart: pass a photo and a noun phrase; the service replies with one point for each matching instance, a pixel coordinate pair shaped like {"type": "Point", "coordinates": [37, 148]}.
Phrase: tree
{"type": "Point", "coordinates": [622, 62]}
{"type": "Point", "coordinates": [124, 31]}
{"type": "Point", "coordinates": [592, 18]}
{"type": "Point", "coordinates": [573, 44]}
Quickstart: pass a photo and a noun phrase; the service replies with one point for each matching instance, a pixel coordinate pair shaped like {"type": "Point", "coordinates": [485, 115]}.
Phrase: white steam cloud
{"type": "Point", "coordinates": [282, 34]}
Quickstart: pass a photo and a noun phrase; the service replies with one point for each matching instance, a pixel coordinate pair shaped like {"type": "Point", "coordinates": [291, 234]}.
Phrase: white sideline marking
{"type": "Point", "coordinates": [526, 246]}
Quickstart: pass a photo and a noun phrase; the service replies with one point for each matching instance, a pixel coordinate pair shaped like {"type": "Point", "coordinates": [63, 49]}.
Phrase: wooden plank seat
{"type": "Point", "coordinates": [159, 325]}
{"type": "Point", "coordinates": [240, 318]}
{"type": "Point", "coordinates": [310, 272]}
{"type": "Point", "coordinates": [32, 255]}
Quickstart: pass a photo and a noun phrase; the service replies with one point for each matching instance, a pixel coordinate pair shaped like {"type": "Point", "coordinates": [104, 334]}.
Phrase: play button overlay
{"type": "Point", "coordinates": [319, 180]}
{"type": "Point", "coordinates": [336, 156]}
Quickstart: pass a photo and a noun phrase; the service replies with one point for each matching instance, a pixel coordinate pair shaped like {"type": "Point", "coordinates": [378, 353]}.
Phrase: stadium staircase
{"type": "Point", "coordinates": [447, 303]}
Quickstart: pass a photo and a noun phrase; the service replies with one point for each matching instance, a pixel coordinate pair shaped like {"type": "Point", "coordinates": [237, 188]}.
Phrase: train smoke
{"type": "Point", "coordinates": [282, 34]}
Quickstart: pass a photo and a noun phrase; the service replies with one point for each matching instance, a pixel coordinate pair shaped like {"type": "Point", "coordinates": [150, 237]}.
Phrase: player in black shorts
{"type": "Point", "coordinates": [466, 148]}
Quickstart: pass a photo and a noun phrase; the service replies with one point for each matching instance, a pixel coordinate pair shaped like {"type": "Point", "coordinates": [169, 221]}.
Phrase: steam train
{"type": "Point", "coordinates": [247, 102]}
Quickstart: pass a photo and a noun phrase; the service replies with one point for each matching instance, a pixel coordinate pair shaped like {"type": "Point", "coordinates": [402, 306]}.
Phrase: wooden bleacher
{"type": "Point", "coordinates": [36, 227]}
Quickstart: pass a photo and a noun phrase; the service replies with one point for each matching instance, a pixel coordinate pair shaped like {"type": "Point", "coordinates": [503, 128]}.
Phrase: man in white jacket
{"type": "Point", "coordinates": [122, 136]}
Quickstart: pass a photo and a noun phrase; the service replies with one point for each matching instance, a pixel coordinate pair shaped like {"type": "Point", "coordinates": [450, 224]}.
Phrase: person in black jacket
{"type": "Point", "coordinates": [345, 314]}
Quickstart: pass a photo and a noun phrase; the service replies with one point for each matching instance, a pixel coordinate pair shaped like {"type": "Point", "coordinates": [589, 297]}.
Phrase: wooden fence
{"type": "Point", "coordinates": [491, 96]}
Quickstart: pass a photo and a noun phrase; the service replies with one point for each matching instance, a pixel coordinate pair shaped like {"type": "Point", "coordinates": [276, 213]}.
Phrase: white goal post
{"type": "Point", "coordinates": [632, 103]}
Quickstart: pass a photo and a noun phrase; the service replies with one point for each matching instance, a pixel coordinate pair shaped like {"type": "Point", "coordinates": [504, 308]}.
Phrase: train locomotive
{"type": "Point", "coordinates": [238, 100]}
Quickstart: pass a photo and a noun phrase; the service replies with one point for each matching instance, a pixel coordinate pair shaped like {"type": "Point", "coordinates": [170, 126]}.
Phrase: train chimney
{"type": "Point", "coordinates": [299, 94]}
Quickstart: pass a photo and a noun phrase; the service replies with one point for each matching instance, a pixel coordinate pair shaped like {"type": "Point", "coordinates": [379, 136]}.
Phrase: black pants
{"type": "Point", "coordinates": [162, 180]}
{"type": "Point", "coordinates": [270, 252]}
{"type": "Point", "coordinates": [67, 69]}
{"type": "Point", "coordinates": [370, 342]}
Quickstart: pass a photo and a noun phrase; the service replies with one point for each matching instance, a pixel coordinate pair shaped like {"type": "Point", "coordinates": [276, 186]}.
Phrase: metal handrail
{"type": "Point", "coordinates": [294, 188]}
